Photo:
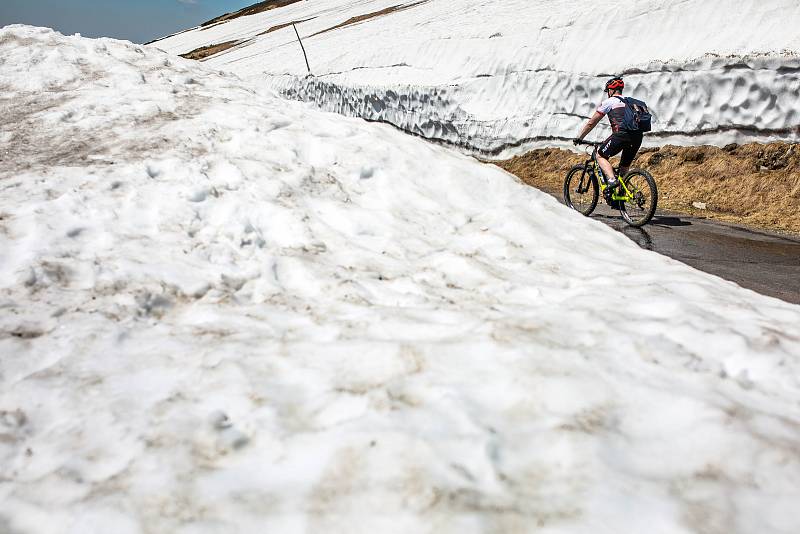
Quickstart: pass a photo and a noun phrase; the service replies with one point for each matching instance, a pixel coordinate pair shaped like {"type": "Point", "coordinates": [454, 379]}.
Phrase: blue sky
{"type": "Point", "coordinates": [136, 20]}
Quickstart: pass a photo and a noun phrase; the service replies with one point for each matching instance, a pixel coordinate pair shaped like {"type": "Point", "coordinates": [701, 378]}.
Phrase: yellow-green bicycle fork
{"type": "Point", "coordinates": [623, 193]}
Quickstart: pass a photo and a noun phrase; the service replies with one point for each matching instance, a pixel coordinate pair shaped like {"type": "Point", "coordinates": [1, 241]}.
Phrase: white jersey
{"type": "Point", "coordinates": [614, 107]}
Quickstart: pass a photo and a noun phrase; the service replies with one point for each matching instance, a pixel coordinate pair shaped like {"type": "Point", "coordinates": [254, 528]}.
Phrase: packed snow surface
{"type": "Point", "coordinates": [224, 312]}
{"type": "Point", "coordinates": [497, 77]}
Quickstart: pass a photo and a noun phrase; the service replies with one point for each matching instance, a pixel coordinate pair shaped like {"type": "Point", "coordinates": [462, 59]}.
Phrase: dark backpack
{"type": "Point", "coordinates": [637, 116]}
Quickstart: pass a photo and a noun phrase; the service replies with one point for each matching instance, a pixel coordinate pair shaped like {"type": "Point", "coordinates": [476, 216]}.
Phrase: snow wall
{"type": "Point", "coordinates": [499, 77]}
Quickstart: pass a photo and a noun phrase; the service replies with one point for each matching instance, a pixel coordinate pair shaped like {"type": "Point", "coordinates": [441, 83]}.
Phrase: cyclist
{"type": "Point", "coordinates": [626, 141]}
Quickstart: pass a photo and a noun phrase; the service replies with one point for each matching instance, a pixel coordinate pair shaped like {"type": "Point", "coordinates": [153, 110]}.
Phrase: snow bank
{"type": "Point", "coordinates": [224, 312]}
{"type": "Point", "coordinates": [499, 77]}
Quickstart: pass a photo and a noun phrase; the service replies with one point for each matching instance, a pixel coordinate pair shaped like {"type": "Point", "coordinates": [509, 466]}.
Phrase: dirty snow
{"type": "Point", "coordinates": [225, 312]}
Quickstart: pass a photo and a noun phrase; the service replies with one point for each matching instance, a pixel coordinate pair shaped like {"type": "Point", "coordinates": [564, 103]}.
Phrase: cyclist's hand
{"type": "Point", "coordinates": [576, 141]}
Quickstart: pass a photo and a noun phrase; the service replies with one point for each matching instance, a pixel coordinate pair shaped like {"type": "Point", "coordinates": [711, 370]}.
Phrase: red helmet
{"type": "Point", "coordinates": [615, 83]}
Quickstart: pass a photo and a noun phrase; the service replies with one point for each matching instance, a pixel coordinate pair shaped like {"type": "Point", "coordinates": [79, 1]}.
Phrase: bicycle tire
{"type": "Point", "coordinates": [576, 199]}
{"type": "Point", "coordinates": [641, 210]}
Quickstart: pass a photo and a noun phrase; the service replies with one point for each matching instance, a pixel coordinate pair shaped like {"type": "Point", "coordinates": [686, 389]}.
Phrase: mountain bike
{"type": "Point", "coordinates": [635, 197]}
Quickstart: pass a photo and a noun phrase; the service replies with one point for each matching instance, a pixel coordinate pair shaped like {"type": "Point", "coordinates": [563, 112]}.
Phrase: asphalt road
{"type": "Point", "coordinates": [762, 261]}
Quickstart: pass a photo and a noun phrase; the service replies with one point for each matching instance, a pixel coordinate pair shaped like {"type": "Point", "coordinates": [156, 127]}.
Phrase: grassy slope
{"type": "Point", "coordinates": [753, 184]}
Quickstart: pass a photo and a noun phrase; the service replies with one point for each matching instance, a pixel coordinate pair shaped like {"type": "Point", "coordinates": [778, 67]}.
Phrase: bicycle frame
{"type": "Point", "coordinates": [623, 193]}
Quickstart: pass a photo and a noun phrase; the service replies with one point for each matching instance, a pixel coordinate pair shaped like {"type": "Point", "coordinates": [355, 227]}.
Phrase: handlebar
{"type": "Point", "coordinates": [583, 142]}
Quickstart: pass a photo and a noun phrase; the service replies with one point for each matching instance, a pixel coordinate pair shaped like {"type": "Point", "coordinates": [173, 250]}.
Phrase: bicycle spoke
{"type": "Point", "coordinates": [638, 208]}
{"type": "Point", "coordinates": [580, 191]}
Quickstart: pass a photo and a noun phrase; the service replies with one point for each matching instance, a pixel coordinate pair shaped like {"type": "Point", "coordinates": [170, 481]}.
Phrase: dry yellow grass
{"type": "Point", "coordinates": [259, 7]}
{"type": "Point", "coordinates": [209, 50]}
{"type": "Point", "coordinates": [284, 25]}
{"type": "Point", "coordinates": [754, 184]}
{"type": "Point", "coordinates": [374, 14]}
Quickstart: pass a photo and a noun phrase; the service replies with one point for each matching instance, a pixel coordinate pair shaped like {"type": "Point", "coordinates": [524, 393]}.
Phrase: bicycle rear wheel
{"type": "Point", "coordinates": [638, 210]}
{"type": "Point", "coordinates": [581, 190]}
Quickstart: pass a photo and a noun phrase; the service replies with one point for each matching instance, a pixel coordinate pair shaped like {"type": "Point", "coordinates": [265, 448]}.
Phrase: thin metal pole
{"type": "Point", "coordinates": [301, 46]}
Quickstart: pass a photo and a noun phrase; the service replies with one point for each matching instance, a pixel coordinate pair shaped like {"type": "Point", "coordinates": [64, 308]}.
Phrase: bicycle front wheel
{"type": "Point", "coordinates": [641, 206]}
{"type": "Point", "coordinates": [581, 190]}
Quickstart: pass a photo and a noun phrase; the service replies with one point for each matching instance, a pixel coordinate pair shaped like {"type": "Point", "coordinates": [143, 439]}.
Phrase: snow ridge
{"type": "Point", "coordinates": [711, 100]}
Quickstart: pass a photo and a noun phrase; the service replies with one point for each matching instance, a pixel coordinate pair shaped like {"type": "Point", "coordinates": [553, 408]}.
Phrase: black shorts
{"type": "Point", "coordinates": [627, 142]}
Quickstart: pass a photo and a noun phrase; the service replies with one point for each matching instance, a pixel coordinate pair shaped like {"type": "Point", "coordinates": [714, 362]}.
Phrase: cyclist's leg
{"type": "Point", "coordinates": [610, 148]}
{"type": "Point", "coordinates": [629, 152]}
